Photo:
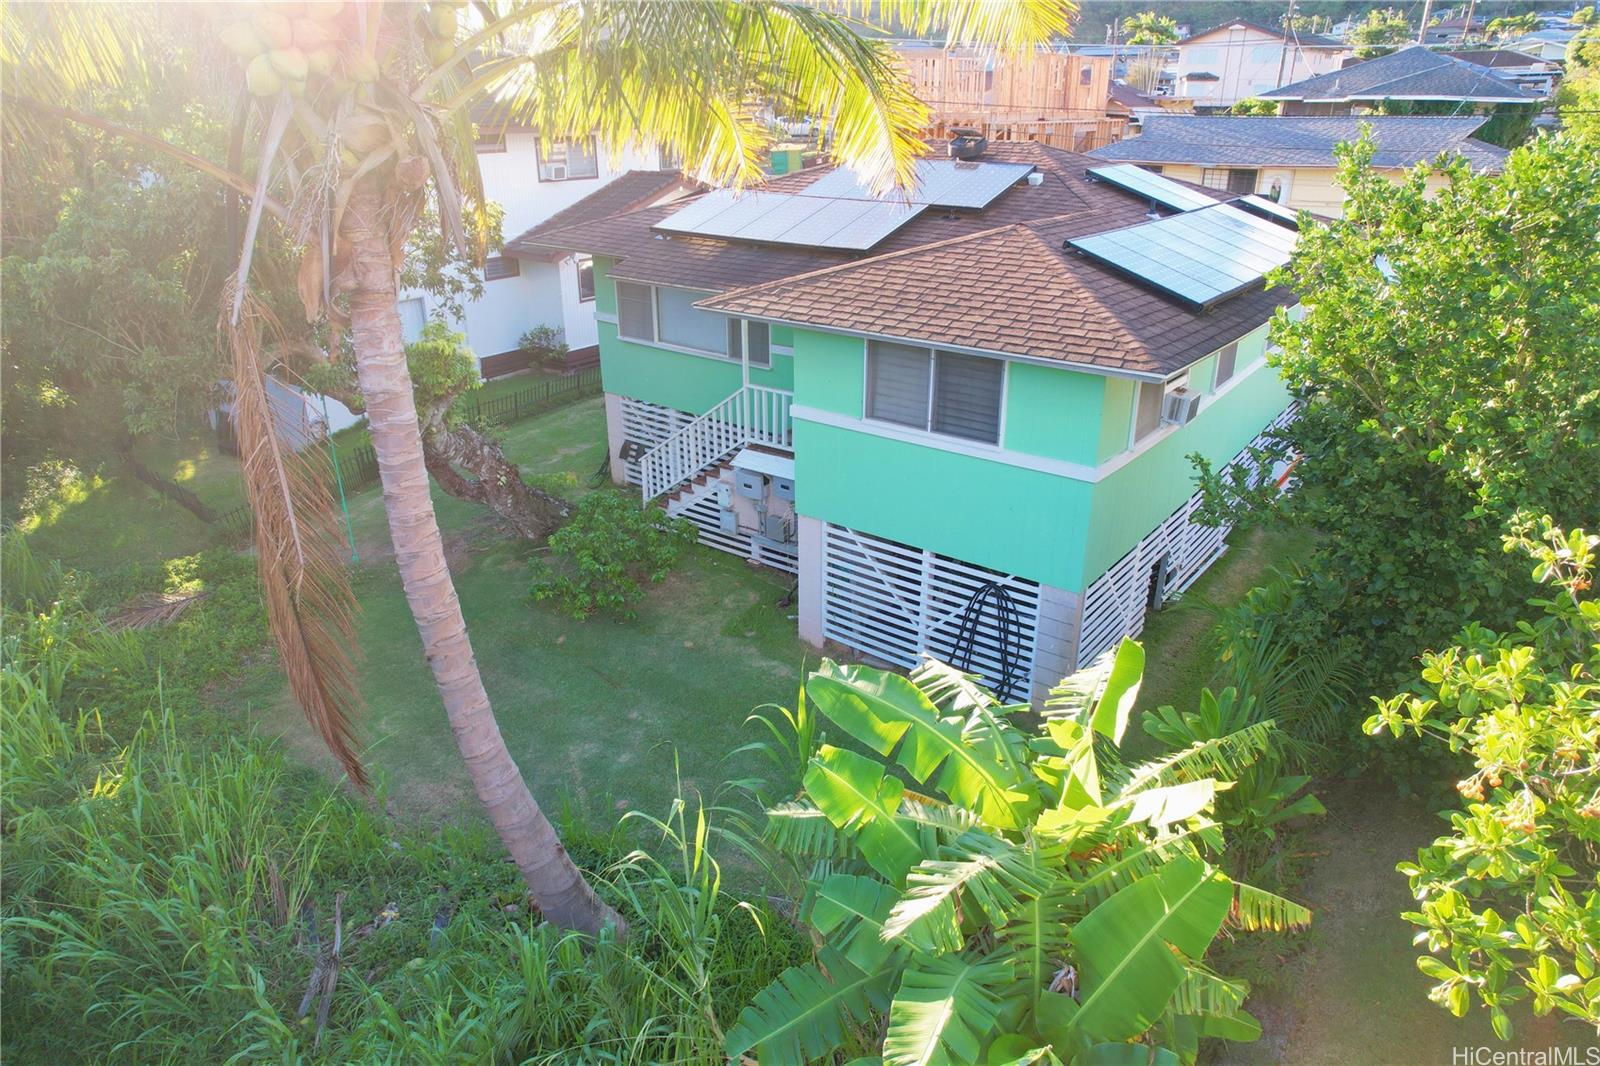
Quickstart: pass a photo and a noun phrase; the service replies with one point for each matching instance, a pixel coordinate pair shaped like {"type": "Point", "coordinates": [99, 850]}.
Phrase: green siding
{"type": "Point", "coordinates": [783, 336]}
{"type": "Point", "coordinates": [605, 293]}
{"type": "Point", "coordinates": [1203, 373]}
{"type": "Point", "coordinates": [832, 372]}
{"type": "Point", "coordinates": [693, 383]}
{"type": "Point", "coordinates": [1116, 417]}
{"type": "Point", "coordinates": [1019, 521]}
{"type": "Point", "coordinates": [1053, 412]}
{"type": "Point", "coordinates": [1136, 498]}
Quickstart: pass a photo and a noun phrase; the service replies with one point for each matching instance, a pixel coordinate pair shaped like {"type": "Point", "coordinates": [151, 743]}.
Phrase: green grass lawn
{"type": "Point", "coordinates": [101, 519]}
{"type": "Point", "coordinates": [594, 711]}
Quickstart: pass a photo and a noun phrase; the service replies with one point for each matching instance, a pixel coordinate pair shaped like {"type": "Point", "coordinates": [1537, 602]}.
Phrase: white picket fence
{"type": "Point", "coordinates": [897, 603]}
{"type": "Point", "coordinates": [1115, 604]}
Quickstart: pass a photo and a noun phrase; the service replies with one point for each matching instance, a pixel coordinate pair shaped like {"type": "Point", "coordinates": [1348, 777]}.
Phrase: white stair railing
{"type": "Point", "coordinates": [754, 414]}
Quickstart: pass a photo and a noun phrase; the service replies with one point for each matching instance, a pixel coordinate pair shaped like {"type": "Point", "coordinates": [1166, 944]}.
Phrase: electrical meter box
{"type": "Point", "coordinates": [724, 493]}
{"type": "Point", "coordinates": [729, 521]}
{"type": "Point", "coordinates": [783, 488]}
{"type": "Point", "coordinates": [750, 485]}
{"type": "Point", "coordinates": [776, 527]}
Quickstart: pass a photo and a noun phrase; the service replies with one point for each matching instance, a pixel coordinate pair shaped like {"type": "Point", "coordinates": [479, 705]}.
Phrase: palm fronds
{"type": "Point", "coordinates": [298, 542]}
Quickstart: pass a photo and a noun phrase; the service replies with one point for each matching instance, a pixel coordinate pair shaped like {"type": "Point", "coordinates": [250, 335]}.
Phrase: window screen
{"type": "Point", "coordinates": [1242, 181]}
{"type": "Point", "coordinates": [1226, 360]}
{"type": "Point", "coordinates": [585, 279]}
{"type": "Point", "coordinates": [501, 266]}
{"type": "Point", "coordinates": [897, 383]}
{"type": "Point", "coordinates": [760, 342]}
{"type": "Point", "coordinates": [635, 317]}
{"type": "Point", "coordinates": [566, 160]}
{"type": "Point", "coordinates": [1147, 418]}
{"type": "Point", "coordinates": [966, 396]}
{"type": "Point", "coordinates": [687, 326]}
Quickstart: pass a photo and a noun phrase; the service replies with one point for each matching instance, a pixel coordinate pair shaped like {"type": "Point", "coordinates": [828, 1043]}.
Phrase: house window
{"type": "Point", "coordinates": [568, 160]}
{"type": "Point", "coordinates": [942, 392]}
{"type": "Point", "coordinates": [760, 342]}
{"type": "Point", "coordinates": [1147, 415]}
{"type": "Point", "coordinates": [1154, 168]}
{"type": "Point", "coordinates": [1233, 180]}
{"type": "Point", "coordinates": [1227, 360]}
{"type": "Point", "coordinates": [636, 316]}
{"type": "Point", "coordinates": [680, 323]}
{"type": "Point", "coordinates": [413, 316]}
{"type": "Point", "coordinates": [490, 142]}
{"type": "Point", "coordinates": [585, 279]}
{"type": "Point", "coordinates": [501, 266]}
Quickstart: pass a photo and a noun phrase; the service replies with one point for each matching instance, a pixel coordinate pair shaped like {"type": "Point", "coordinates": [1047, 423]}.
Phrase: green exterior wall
{"type": "Point", "coordinates": [1116, 418]}
{"type": "Point", "coordinates": [832, 372]}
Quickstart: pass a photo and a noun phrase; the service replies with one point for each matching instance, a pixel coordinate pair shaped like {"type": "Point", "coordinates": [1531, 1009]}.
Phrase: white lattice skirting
{"type": "Point", "coordinates": [1114, 606]}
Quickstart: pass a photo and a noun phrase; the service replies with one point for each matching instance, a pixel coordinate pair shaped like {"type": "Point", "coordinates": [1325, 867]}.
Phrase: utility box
{"type": "Point", "coordinates": [729, 521]}
{"type": "Point", "coordinates": [783, 488]}
{"type": "Point", "coordinates": [724, 493]}
{"type": "Point", "coordinates": [777, 527]}
{"type": "Point", "coordinates": [750, 485]}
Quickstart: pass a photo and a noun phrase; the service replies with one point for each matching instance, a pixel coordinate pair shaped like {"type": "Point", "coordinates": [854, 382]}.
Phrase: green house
{"type": "Point", "coordinates": [963, 421]}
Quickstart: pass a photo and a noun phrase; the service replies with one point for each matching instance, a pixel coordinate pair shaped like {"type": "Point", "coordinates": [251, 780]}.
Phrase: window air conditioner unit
{"type": "Point", "coordinates": [557, 171]}
{"type": "Point", "coordinates": [1181, 406]}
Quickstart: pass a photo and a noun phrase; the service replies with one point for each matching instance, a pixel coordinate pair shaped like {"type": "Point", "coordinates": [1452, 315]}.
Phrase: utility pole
{"type": "Point", "coordinates": [1466, 27]}
{"type": "Point", "coordinates": [1288, 32]}
{"type": "Point", "coordinates": [1422, 34]}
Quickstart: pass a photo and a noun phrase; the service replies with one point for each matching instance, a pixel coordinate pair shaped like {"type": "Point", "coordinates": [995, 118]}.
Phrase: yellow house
{"type": "Point", "coordinates": [1290, 159]}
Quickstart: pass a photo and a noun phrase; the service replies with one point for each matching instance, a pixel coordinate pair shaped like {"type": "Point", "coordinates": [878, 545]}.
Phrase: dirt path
{"type": "Point", "coordinates": [1355, 996]}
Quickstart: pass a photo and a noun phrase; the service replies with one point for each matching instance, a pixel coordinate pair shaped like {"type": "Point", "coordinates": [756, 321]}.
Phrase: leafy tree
{"type": "Point", "coordinates": [1508, 26]}
{"type": "Point", "coordinates": [1508, 899]}
{"type": "Point", "coordinates": [361, 112]}
{"type": "Point", "coordinates": [607, 553]}
{"type": "Point", "coordinates": [1445, 356]}
{"type": "Point", "coordinates": [1032, 893]}
{"type": "Point", "coordinates": [1254, 105]}
{"type": "Point", "coordinates": [1147, 27]}
{"type": "Point", "coordinates": [1381, 33]}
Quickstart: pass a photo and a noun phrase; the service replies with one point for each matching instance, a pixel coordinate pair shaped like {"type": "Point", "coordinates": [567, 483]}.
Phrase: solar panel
{"type": "Point", "coordinates": [939, 183]}
{"type": "Point", "coordinates": [1202, 256]}
{"type": "Point", "coordinates": [785, 218]}
{"type": "Point", "coordinates": [1152, 187]}
{"type": "Point", "coordinates": [1269, 209]}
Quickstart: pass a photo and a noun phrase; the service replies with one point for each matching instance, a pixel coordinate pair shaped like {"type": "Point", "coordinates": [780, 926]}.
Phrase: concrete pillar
{"type": "Point", "coordinates": [1056, 638]}
{"type": "Point", "coordinates": [614, 438]}
{"type": "Point", "coordinates": [809, 533]}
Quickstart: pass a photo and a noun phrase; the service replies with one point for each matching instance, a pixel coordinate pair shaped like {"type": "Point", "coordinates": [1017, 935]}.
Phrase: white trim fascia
{"type": "Point", "coordinates": [781, 349]}
{"type": "Point", "coordinates": [1006, 456]}
{"type": "Point", "coordinates": [611, 317]}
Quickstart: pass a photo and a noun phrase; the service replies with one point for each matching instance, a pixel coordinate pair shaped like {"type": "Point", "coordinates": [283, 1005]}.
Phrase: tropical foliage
{"type": "Point", "coordinates": [604, 557]}
{"type": "Point", "coordinates": [1254, 105]}
{"type": "Point", "coordinates": [1001, 896]}
{"type": "Point", "coordinates": [1445, 356]}
{"type": "Point", "coordinates": [1508, 900]}
{"type": "Point", "coordinates": [1380, 33]}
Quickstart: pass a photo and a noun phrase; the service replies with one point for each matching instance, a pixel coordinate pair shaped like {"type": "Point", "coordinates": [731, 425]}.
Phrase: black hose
{"type": "Point", "coordinates": [599, 477]}
{"type": "Point", "coordinates": [1008, 622]}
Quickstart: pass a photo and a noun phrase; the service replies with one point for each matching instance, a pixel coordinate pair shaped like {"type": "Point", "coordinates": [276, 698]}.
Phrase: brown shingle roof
{"type": "Point", "coordinates": [996, 279]}
{"type": "Point", "coordinates": [624, 193]}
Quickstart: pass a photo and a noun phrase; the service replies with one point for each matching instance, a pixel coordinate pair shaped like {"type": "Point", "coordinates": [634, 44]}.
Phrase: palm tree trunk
{"type": "Point", "coordinates": [558, 888]}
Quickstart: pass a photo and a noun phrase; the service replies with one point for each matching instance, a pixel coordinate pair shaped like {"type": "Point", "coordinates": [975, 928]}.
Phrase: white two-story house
{"type": "Point", "coordinates": [1238, 59]}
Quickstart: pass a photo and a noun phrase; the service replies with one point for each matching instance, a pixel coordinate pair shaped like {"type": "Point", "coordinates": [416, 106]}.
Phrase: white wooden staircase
{"type": "Point", "coordinates": [754, 414]}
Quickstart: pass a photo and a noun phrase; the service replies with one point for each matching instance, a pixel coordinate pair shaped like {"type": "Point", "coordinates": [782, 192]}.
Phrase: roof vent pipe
{"type": "Point", "coordinates": [967, 144]}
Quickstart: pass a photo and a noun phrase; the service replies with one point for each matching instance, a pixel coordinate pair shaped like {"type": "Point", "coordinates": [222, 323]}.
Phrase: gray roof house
{"type": "Point", "coordinates": [1291, 159]}
{"type": "Point", "coordinates": [1413, 73]}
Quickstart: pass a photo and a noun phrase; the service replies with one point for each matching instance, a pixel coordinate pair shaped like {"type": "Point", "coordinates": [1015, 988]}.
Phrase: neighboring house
{"type": "Point", "coordinates": [1452, 31]}
{"type": "Point", "coordinates": [1237, 60]}
{"type": "Point", "coordinates": [1530, 72]}
{"type": "Point", "coordinates": [954, 419]}
{"type": "Point", "coordinates": [1125, 102]}
{"type": "Point", "coordinates": [1290, 160]}
{"type": "Point", "coordinates": [961, 83]}
{"type": "Point", "coordinates": [1414, 75]}
{"type": "Point", "coordinates": [532, 183]}
{"type": "Point", "coordinates": [1549, 45]}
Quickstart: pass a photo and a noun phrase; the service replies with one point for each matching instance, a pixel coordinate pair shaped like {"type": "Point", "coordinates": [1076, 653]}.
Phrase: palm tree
{"type": "Point", "coordinates": [1147, 27]}
{"type": "Point", "coordinates": [1509, 26]}
{"type": "Point", "coordinates": [361, 113]}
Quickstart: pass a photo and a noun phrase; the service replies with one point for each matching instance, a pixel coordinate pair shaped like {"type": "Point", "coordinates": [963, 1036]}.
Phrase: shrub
{"type": "Point", "coordinates": [1254, 105]}
{"type": "Point", "coordinates": [1033, 899]}
{"type": "Point", "coordinates": [545, 345]}
{"type": "Point", "coordinates": [1507, 899]}
{"type": "Point", "coordinates": [604, 556]}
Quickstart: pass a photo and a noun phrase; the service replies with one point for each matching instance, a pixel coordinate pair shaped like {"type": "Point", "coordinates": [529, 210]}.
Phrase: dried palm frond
{"type": "Point", "coordinates": [153, 609]}
{"type": "Point", "coordinates": [298, 547]}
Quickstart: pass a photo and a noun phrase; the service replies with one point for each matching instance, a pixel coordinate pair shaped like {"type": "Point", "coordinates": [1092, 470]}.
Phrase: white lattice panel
{"type": "Point", "coordinates": [648, 424]}
{"type": "Point", "coordinates": [1114, 605]}
{"type": "Point", "coordinates": [897, 603]}
{"type": "Point", "coordinates": [702, 510]}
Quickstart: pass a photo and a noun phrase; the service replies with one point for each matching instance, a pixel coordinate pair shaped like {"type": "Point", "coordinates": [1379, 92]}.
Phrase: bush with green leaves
{"type": "Point", "coordinates": [981, 893]}
{"type": "Point", "coordinates": [602, 559]}
{"type": "Point", "coordinates": [545, 345]}
{"type": "Point", "coordinates": [1509, 899]}
{"type": "Point", "coordinates": [1447, 365]}
{"type": "Point", "coordinates": [1254, 105]}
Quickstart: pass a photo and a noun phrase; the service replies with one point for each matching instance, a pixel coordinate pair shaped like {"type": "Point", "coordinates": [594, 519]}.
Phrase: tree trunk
{"type": "Point", "coordinates": [558, 888]}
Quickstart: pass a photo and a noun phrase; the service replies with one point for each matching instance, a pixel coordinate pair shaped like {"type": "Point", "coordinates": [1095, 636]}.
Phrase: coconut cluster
{"type": "Point", "coordinates": [284, 45]}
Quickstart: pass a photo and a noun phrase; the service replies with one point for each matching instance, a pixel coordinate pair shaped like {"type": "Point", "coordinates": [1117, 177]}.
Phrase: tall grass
{"type": "Point", "coordinates": [169, 886]}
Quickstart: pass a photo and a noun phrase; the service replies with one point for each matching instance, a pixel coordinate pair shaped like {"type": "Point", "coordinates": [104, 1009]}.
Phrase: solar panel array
{"type": "Point", "coordinates": [1152, 187]}
{"type": "Point", "coordinates": [1201, 256]}
{"type": "Point", "coordinates": [783, 218]}
{"type": "Point", "coordinates": [835, 211]}
{"type": "Point", "coordinates": [1270, 209]}
{"type": "Point", "coordinates": [939, 183]}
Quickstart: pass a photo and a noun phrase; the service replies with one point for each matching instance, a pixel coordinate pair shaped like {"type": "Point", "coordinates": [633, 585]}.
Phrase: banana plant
{"type": "Point", "coordinates": [982, 892]}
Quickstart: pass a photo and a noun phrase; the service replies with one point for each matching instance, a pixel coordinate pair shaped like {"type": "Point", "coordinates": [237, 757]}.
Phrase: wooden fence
{"type": "Point", "coordinates": [358, 466]}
